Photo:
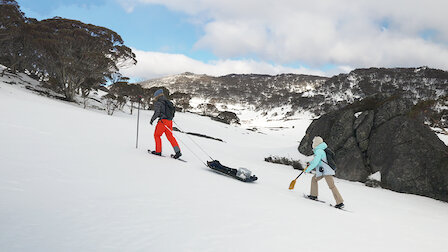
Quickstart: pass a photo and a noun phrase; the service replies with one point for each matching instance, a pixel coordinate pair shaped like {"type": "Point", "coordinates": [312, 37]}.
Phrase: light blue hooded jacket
{"type": "Point", "coordinates": [319, 155]}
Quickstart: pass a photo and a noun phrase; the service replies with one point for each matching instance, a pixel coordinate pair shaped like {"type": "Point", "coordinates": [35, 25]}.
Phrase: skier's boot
{"type": "Point", "coordinates": [311, 197]}
{"type": "Point", "coordinates": [340, 205]}
{"type": "Point", "coordinates": [156, 153]}
{"type": "Point", "coordinates": [177, 155]}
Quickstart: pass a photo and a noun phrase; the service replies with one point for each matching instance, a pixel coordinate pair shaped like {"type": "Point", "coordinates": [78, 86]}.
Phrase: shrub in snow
{"type": "Point", "coordinates": [111, 103]}
{"type": "Point", "coordinates": [208, 109]}
{"type": "Point", "coordinates": [285, 161]}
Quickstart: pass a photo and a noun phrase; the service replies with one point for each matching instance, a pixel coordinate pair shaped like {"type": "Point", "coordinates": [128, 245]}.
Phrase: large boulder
{"type": "Point", "coordinates": [227, 117]}
{"type": "Point", "coordinates": [350, 162]}
{"type": "Point", "coordinates": [410, 157]}
{"type": "Point", "coordinates": [334, 127]}
{"type": "Point", "coordinates": [379, 134]}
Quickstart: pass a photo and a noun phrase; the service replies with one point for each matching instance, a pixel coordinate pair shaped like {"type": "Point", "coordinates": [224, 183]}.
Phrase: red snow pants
{"type": "Point", "coordinates": [164, 126]}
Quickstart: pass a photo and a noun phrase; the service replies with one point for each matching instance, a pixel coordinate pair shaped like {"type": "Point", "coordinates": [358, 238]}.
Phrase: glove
{"type": "Point", "coordinates": [307, 164]}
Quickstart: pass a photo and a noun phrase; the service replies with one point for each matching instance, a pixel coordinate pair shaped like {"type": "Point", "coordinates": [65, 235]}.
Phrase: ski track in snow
{"type": "Point", "coordinates": [72, 180]}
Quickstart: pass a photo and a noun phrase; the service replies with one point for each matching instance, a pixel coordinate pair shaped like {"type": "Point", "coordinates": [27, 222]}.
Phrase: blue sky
{"type": "Point", "coordinates": [149, 27]}
{"type": "Point", "coordinates": [270, 37]}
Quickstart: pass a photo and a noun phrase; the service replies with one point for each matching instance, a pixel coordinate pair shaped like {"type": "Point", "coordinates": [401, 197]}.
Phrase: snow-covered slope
{"type": "Point", "coordinates": [72, 180]}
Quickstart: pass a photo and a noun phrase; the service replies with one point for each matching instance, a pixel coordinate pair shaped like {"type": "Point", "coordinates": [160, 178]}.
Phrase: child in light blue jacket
{"type": "Point", "coordinates": [323, 170]}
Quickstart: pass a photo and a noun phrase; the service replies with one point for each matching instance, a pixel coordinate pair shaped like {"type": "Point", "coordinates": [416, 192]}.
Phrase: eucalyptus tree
{"type": "Point", "coordinates": [72, 53]}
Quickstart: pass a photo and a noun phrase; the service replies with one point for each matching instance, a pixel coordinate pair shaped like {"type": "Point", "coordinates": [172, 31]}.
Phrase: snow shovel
{"type": "Point", "coordinates": [293, 183]}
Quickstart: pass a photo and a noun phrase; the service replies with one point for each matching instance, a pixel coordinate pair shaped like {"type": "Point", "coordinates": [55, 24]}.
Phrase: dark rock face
{"type": "Point", "coordinates": [410, 158]}
{"type": "Point", "coordinates": [384, 137]}
{"type": "Point", "coordinates": [350, 162]}
{"type": "Point", "coordinates": [391, 109]}
{"type": "Point", "coordinates": [227, 117]}
{"type": "Point", "coordinates": [363, 126]}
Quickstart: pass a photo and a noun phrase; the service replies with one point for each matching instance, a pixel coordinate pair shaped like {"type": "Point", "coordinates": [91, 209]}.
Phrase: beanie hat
{"type": "Point", "coordinates": [316, 141]}
{"type": "Point", "coordinates": [158, 92]}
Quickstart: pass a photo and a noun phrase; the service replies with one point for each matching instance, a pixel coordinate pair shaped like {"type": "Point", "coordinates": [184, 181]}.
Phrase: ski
{"type": "Point", "coordinates": [343, 209]}
{"type": "Point", "coordinates": [241, 174]}
{"type": "Point", "coordinates": [317, 200]}
{"type": "Point", "coordinates": [180, 159]}
{"type": "Point", "coordinates": [321, 201]}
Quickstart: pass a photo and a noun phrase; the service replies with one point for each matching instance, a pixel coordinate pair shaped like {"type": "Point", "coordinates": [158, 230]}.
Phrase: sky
{"type": "Point", "coordinates": [216, 37]}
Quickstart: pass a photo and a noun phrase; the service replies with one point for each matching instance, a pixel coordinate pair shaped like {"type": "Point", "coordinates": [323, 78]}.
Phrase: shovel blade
{"type": "Point", "coordinates": [293, 183]}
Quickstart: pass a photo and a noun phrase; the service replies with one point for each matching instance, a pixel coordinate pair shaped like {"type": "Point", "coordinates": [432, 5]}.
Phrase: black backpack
{"type": "Point", "coordinates": [170, 110]}
{"type": "Point", "coordinates": [330, 158]}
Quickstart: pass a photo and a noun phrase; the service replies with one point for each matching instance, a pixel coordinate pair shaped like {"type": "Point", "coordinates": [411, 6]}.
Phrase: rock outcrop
{"type": "Point", "coordinates": [379, 134]}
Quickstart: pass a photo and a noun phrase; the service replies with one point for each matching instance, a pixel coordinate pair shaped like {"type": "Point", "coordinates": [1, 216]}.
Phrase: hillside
{"type": "Point", "coordinates": [252, 97]}
{"type": "Point", "coordinates": [290, 95]}
{"type": "Point", "coordinates": [254, 89]}
{"type": "Point", "coordinates": [72, 180]}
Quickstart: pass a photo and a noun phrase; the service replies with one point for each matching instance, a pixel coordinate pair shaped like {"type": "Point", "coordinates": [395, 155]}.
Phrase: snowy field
{"type": "Point", "coordinates": [72, 180]}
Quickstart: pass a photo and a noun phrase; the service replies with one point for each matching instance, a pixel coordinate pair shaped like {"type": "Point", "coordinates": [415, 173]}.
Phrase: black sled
{"type": "Point", "coordinates": [241, 174]}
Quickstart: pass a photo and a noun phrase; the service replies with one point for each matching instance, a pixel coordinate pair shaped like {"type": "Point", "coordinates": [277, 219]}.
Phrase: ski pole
{"type": "Point", "coordinates": [194, 142]}
{"type": "Point", "coordinates": [138, 119]}
{"type": "Point", "coordinates": [185, 144]}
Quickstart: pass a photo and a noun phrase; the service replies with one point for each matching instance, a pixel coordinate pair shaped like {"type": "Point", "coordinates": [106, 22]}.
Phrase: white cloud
{"type": "Point", "coordinates": [358, 33]}
{"type": "Point", "coordinates": [128, 5]}
{"type": "Point", "coordinates": [156, 64]}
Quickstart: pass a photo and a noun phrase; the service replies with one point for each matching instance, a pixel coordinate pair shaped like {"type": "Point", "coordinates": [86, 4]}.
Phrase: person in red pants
{"type": "Point", "coordinates": [164, 110]}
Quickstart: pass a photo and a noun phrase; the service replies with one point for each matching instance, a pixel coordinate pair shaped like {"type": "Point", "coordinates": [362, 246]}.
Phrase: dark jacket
{"type": "Point", "coordinates": [160, 109]}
